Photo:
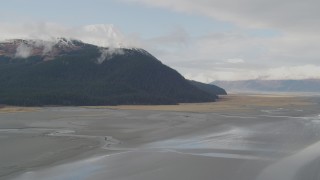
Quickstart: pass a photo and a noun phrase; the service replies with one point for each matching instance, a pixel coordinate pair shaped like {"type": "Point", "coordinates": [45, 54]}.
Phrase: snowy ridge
{"type": "Point", "coordinates": [23, 48]}
{"type": "Point", "coordinates": [61, 42]}
{"type": "Point", "coordinates": [102, 35]}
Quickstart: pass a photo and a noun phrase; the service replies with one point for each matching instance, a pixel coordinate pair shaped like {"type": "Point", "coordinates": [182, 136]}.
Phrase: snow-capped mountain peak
{"type": "Point", "coordinates": [22, 48]}
{"type": "Point", "coordinates": [102, 35]}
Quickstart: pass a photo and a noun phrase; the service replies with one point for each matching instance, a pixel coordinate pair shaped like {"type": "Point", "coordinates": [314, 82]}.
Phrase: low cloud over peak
{"type": "Point", "coordinates": [104, 35]}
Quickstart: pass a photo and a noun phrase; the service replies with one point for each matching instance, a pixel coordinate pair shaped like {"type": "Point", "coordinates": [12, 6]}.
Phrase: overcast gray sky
{"type": "Point", "coordinates": [205, 40]}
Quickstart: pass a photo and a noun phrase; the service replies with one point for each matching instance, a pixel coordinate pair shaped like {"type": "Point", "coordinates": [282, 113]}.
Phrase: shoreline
{"type": "Point", "coordinates": [235, 102]}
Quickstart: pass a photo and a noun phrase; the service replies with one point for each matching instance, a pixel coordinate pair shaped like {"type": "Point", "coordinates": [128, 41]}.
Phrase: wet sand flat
{"type": "Point", "coordinates": [227, 103]}
{"type": "Point", "coordinates": [246, 137]}
{"type": "Point", "coordinates": [13, 109]}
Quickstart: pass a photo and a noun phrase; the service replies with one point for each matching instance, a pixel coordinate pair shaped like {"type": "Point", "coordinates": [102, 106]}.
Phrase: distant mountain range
{"type": "Point", "coordinates": [305, 85]}
{"type": "Point", "coordinates": [70, 72]}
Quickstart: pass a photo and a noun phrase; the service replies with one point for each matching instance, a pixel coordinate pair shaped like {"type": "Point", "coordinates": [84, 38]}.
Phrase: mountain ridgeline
{"type": "Point", "coordinates": [75, 73]}
{"type": "Point", "coordinates": [209, 88]}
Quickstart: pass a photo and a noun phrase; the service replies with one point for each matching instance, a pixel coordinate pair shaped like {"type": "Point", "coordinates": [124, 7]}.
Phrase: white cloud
{"type": "Point", "coordinates": [23, 51]}
{"type": "Point", "coordinates": [107, 54]}
{"type": "Point", "coordinates": [235, 60]}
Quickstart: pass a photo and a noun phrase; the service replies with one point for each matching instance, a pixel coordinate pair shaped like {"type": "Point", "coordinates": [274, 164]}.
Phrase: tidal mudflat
{"type": "Point", "coordinates": [243, 137]}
